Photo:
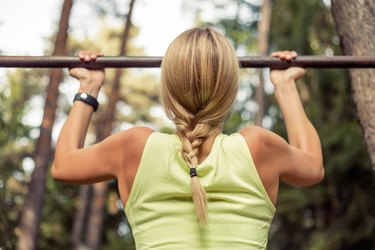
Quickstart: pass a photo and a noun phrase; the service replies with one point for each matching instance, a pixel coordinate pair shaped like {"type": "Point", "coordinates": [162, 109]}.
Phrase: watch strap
{"type": "Point", "coordinates": [88, 99]}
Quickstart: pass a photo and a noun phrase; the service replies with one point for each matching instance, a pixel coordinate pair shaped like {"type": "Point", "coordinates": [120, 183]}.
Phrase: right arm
{"type": "Point", "coordinates": [299, 161]}
{"type": "Point", "coordinates": [304, 144]}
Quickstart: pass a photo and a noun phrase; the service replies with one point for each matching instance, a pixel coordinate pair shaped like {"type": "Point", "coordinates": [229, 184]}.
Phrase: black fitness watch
{"type": "Point", "coordinates": [86, 98]}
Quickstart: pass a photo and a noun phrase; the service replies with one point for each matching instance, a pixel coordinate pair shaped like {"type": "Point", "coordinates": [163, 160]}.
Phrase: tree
{"type": "Point", "coordinates": [338, 213]}
{"type": "Point", "coordinates": [263, 33]}
{"type": "Point", "coordinates": [16, 147]}
{"type": "Point", "coordinates": [31, 216]}
{"type": "Point", "coordinates": [355, 25]}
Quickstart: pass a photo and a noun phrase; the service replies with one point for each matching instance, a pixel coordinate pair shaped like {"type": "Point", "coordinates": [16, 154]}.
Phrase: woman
{"type": "Point", "coordinates": [234, 179]}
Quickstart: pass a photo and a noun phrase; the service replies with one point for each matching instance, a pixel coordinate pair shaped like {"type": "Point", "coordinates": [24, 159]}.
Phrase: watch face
{"type": "Point", "coordinates": [84, 95]}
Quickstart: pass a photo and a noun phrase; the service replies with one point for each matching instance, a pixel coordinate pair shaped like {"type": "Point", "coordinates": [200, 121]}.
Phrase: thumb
{"type": "Point", "coordinates": [295, 73]}
{"type": "Point", "coordinates": [79, 73]}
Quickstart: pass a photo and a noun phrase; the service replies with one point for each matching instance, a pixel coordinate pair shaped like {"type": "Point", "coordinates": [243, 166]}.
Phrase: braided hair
{"type": "Point", "coordinates": [199, 83]}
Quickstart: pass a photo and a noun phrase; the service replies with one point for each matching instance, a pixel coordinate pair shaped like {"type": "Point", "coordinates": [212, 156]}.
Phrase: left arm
{"type": "Point", "coordinates": [96, 163]}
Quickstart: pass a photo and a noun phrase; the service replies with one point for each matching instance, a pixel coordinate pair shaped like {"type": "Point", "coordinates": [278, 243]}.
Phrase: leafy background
{"type": "Point", "coordinates": [338, 213]}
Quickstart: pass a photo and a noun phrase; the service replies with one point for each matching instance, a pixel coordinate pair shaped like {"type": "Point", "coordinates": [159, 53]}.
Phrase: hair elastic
{"type": "Point", "coordinates": [193, 172]}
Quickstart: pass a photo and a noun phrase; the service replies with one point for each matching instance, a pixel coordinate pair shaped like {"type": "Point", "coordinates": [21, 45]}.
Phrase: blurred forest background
{"type": "Point", "coordinates": [39, 213]}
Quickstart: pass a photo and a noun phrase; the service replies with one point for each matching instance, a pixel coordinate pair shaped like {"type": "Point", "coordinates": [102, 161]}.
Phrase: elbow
{"type": "Point", "coordinates": [320, 168]}
{"type": "Point", "coordinates": [317, 173]}
{"type": "Point", "coordinates": [58, 170]}
{"type": "Point", "coordinates": [312, 179]}
{"type": "Point", "coordinates": [55, 173]}
{"type": "Point", "coordinates": [319, 176]}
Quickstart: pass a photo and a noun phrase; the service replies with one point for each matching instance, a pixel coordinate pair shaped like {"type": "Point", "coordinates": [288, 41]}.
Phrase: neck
{"type": "Point", "coordinates": [206, 146]}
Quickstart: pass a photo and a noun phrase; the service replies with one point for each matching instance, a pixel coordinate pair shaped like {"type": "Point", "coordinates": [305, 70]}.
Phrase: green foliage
{"type": "Point", "coordinates": [15, 146]}
{"type": "Point", "coordinates": [119, 243]}
{"type": "Point", "coordinates": [22, 87]}
{"type": "Point", "coordinates": [338, 213]}
{"type": "Point", "coordinates": [58, 215]}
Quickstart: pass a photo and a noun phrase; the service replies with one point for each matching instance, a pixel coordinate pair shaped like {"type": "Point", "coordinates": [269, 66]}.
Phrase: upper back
{"type": "Point", "coordinates": [160, 208]}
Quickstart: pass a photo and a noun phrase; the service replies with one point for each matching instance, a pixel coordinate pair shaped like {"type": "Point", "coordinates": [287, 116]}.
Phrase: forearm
{"type": "Point", "coordinates": [301, 132]}
{"type": "Point", "coordinates": [73, 132]}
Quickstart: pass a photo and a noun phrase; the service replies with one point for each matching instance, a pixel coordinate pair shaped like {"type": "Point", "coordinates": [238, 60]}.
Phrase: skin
{"type": "Point", "coordinates": [298, 162]}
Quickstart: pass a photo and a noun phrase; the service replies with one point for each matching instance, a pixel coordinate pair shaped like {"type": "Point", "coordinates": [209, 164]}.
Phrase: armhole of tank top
{"type": "Point", "coordinates": [137, 179]}
{"type": "Point", "coordinates": [259, 182]}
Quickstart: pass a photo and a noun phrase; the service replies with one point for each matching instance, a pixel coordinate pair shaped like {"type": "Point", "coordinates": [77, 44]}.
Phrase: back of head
{"type": "Point", "coordinates": [199, 78]}
{"type": "Point", "coordinates": [199, 83]}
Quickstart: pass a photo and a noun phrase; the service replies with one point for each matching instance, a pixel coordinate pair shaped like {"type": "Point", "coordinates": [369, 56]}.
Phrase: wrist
{"type": "Point", "coordinates": [89, 89]}
{"type": "Point", "coordinates": [286, 88]}
{"type": "Point", "coordinates": [88, 99]}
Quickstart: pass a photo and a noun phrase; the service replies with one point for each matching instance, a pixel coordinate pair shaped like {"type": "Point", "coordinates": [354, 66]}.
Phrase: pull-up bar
{"type": "Point", "coordinates": [154, 62]}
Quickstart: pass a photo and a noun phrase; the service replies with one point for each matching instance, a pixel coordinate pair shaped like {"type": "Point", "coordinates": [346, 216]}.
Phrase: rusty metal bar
{"type": "Point", "coordinates": [154, 62]}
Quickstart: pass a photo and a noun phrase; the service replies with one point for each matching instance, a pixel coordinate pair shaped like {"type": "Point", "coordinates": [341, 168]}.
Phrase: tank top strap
{"type": "Point", "coordinates": [240, 145]}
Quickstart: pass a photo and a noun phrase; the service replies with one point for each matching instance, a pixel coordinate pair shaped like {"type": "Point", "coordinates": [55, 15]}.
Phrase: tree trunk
{"type": "Point", "coordinates": [104, 129]}
{"type": "Point", "coordinates": [355, 21]}
{"type": "Point", "coordinates": [263, 40]}
{"type": "Point", "coordinates": [81, 217]}
{"type": "Point", "coordinates": [31, 216]}
{"type": "Point", "coordinates": [96, 214]}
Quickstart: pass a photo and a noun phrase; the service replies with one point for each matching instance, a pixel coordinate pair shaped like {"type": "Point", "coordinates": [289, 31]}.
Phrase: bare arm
{"type": "Point", "coordinates": [304, 142]}
{"type": "Point", "coordinates": [298, 161]}
{"type": "Point", "coordinates": [72, 163]}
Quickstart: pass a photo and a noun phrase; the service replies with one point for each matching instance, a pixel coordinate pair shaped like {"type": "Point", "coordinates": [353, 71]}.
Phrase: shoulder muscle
{"type": "Point", "coordinates": [291, 164]}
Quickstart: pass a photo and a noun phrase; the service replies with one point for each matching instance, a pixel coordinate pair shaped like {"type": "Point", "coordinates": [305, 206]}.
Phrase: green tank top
{"type": "Point", "coordinates": [160, 209]}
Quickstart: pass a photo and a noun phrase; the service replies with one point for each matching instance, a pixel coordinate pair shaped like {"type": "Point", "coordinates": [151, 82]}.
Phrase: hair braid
{"type": "Point", "coordinates": [199, 82]}
{"type": "Point", "coordinates": [192, 137]}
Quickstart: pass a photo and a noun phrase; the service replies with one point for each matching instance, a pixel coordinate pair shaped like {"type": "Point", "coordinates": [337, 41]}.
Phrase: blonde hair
{"type": "Point", "coordinates": [199, 82]}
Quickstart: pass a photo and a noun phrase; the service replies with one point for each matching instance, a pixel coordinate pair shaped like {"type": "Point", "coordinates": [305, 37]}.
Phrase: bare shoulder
{"type": "Point", "coordinates": [250, 132]}
{"type": "Point", "coordinates": [133, 142]}
{"type": "Point", "coordinates": [136, 136]}
{"type": "Point", "coordinates": [253, 136]}
{"type": "Point", "coordinates": [126, 145]}
{"type": "Point", "coordinates": [131, 146]}
{"type": "Point", "coordinates": [262, 145]}
{"type": "Point", "coordinates": [257, 137]}
{"type": "Point", "coordinates": [274, 156]}
{"type": "Point", "coordinates": [139, 132]}
{"type": "Point", "coordinates": [265, 146]}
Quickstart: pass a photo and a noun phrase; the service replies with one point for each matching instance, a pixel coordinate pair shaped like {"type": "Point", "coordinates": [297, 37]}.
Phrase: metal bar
{"type": "Point", "coordinates": [154, 62]}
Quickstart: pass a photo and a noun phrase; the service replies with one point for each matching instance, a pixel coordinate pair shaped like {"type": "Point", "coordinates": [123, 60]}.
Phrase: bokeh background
{"type": "Point", "coordinates": [338, 213]}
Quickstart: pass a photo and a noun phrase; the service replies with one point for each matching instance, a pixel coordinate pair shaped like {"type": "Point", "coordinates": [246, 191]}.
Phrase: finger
{"type": "Point", "coordinates": [87, 57]}
{"type": "Point", "coordinates": [84, 55]}
{"type": "Point", "coordinates": [288, 55]}
{"type": "Point", "coordinates": [92, 55]}
{"type": "Point", "coordinates": [81, 55]}
{"type": "Point", "coordinates": [280, 54]}
{"type": "Point", "coordinates": [291, 55]}
{"type": "Point", "coordinates": [95, 54]}
{"type": "Point", "coordinates": [284, 56]}
{"type": "Point", "coordinates": [284, 52]}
